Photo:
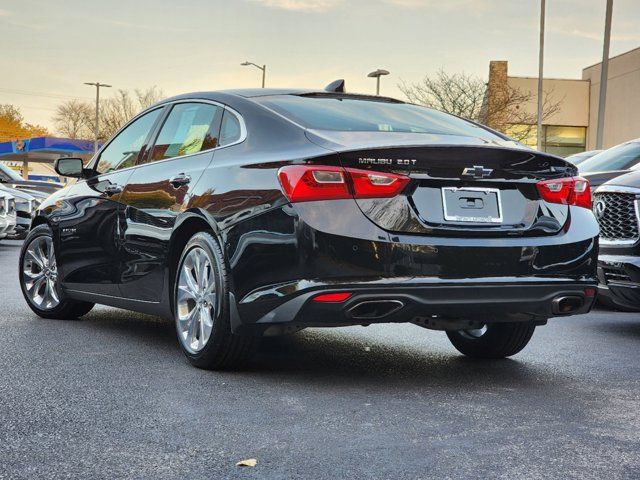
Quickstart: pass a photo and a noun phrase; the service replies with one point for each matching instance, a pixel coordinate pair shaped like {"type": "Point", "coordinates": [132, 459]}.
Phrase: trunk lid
{"type": "Point", "coordinates": [459, 185]}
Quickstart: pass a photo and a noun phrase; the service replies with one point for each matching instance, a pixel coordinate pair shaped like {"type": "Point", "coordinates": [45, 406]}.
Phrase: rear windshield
{"type": "Point", "coordinates": [368, 115]}
{"type": "Point", "coordinates": [621, 157]}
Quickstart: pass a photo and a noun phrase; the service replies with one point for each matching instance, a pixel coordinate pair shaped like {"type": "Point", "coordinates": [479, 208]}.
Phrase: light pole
{"type": "Point", "coordinates": [97, 85]}
{"type": "Point", "coordinates": [263, 68]}
{"type": "Point", "coordinates": [540, 74]}
{"type": "Point", "coordinates": [604, 75]}
{"type": "Point", "coordinates": [377, 74]}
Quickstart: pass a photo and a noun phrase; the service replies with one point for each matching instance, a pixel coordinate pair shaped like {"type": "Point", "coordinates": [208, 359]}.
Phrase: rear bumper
{"type": "Point", "coordinates": [619, 280]}
{"type": "Point", "coordinates": [281, 259]}
{"type": "Point", "coordinates": [414, 300]}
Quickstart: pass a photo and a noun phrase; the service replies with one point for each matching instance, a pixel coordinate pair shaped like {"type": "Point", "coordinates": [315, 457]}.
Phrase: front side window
{"type": "Point", "coordinates": [189, 128]}
{"type": "Point", "coordinates": [124, 149]}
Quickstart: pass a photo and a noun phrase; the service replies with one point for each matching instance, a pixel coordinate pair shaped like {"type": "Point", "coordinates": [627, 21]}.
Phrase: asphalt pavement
{"type": "Point", "coordinates": [111, 396]}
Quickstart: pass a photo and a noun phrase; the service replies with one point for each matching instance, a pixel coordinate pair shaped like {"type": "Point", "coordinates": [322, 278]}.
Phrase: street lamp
{"type": "Point", "coordinates": [377, 74]}
{"type": "Point", "coordinates": [97, 85]}
{"type": "Point", "coordinates": [263, 68]}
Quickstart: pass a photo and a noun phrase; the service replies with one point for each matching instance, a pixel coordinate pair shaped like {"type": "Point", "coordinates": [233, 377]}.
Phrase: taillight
{"type": "Point", "coordinates": [567, 191]}
{"type": "Point", "coordinates": [305, 183]}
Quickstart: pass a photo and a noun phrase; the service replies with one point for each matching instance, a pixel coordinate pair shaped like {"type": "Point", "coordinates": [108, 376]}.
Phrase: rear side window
{"type": "Point", "coordinates": [189, 128]}
{"type": "Point", "coordinates": [230, 131]}
{"type": "Point", "coordinates": [344, 113]}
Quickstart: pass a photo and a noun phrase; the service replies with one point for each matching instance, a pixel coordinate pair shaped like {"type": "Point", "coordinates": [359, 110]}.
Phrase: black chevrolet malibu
{"type": "Point", "coordinates": [261, 212]}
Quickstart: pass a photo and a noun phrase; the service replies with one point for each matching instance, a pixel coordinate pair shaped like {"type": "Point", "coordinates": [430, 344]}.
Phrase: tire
{"type": "Point", "coordinates": [498, 340]}
{"type": "Point", "coordinates": [220, 348]}
{"type": "Point", "coordinates": [63, 308]}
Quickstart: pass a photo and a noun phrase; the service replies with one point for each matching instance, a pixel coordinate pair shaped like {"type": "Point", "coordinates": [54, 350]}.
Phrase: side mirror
{"type": "Point", "coordinates": [70, 167]}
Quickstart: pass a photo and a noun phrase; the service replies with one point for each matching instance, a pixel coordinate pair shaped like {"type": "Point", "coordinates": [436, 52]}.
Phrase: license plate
{"type": "Point", "coordinates": [474, 205]}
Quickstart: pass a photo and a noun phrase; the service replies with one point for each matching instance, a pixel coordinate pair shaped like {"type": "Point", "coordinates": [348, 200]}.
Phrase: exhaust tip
{"type": "Point", "coordinates": [567, 304]}
{"type": "Point", "coordinates": [374, 309]}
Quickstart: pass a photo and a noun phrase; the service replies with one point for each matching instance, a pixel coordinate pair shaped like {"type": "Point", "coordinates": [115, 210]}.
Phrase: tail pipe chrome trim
{"type": "Point", "coordinates": [374, 309]}
{"type": "Point", "coordinates": [567, 304]}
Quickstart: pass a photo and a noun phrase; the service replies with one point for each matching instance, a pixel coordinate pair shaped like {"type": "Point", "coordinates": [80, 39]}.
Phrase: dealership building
{"type": "Point", "coordinates": [571, 127]}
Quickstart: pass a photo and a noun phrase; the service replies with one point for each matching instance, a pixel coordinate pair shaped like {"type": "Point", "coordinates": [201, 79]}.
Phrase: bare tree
{"type": "Point", "coordinates": [123, 106]}
{"type": "Point", "coordinates": [76, 119]}
{"type": "Point", "coordinates": [467, 96]}
{"type": "Point", "coordinates": [73, 119]}
{"type": "Point", "coordinates": [458, 93]}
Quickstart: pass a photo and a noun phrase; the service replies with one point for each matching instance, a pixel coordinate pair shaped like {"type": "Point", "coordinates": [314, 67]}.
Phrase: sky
{"type": "Point", "coordinates": [49, 49]}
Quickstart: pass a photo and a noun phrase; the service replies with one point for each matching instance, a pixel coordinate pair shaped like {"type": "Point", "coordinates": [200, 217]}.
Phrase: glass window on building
{"type": "Point", "coordinates": [556, 139]}
{"type": "Point", "coordinates": [564, 141]}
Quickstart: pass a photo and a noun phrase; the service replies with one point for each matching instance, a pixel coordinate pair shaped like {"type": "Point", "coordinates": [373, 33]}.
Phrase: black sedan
{"type": "Point", "coordinates": [261, 212]}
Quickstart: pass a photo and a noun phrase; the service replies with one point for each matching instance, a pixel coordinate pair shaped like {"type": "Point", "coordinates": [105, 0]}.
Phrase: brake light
{"type": "Point", "coordinates": [304, 183]}
{"type": "Point", "coordinates": [567, 191]}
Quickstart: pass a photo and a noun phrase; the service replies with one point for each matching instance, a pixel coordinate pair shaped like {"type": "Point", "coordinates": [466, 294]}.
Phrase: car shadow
{"type": "Point", "coordinates": [626, 325]}
{"type": "Point", "coordinates": [343, 360]}
{"type": "Point", "coordinates": [330, 357]}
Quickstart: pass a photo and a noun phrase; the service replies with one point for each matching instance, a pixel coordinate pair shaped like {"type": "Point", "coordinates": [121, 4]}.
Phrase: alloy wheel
{"type": "Point", "coordinates": [196, 300]}
{"type": "Point", "coordinates": [40, 273]}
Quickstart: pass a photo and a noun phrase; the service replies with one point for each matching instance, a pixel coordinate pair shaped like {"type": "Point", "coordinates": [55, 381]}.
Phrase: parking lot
{"type": "Point", "coordinates": [111, 396]}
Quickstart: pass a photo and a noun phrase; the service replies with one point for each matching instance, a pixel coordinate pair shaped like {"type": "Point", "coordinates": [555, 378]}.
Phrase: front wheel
{"type": "Point", "coordinates": [201, 307]}
{"type": "Point", "coordinates": [39, 279]}
{"type": "Point", "coordinates": [497, 340]}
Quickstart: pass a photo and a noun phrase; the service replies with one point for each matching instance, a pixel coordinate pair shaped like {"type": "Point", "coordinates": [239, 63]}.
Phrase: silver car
{"type": "Point", "coordinates": [7, 214]}
{"type": "Point", "coordinates": [27, 202]}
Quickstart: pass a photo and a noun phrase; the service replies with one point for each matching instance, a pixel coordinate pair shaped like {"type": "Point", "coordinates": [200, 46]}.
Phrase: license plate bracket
{"type": "Point", "coordinates": [471, 205]}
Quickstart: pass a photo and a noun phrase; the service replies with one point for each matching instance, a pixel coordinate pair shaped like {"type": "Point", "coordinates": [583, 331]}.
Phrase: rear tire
{"type": "Point", "coordinates": [51, 303]}
{"type": "Point", "coordinates": [498, 340]}
{"type": "Point", "coordinates": [201, 295]}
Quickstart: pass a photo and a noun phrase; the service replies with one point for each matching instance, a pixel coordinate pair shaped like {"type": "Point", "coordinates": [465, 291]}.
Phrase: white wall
{"type": "Point", "coordinates": [622, 113]}
{"type": "Point", "coordinates": [573, 94]}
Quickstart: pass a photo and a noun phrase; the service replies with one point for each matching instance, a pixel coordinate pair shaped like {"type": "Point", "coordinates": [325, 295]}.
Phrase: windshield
{"type": "Point", "coordinates": [327, 112]}
{"type": "Point", "coordinates": [8, 172]}
{"type": "Point", "coordinates": [621, 157]}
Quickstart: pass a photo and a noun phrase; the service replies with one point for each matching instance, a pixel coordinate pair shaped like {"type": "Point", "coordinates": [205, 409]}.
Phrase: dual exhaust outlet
{"type": "Point", "coordinates": [376, 309]}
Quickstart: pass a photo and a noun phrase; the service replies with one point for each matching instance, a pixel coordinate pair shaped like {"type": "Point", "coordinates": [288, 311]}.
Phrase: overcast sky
{"type": "Point", "coordinates": [52, 47]}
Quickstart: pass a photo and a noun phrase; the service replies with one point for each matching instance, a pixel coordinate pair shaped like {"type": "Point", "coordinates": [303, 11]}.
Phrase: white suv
{"type": "Point", "coordinates": [7, 214]}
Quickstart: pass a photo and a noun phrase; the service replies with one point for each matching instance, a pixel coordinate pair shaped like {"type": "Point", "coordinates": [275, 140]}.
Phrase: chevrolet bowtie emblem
{"type": "Point", "coordinates": [477, 171]}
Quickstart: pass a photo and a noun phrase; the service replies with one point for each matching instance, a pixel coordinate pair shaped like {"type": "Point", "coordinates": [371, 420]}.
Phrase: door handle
{"type": "Point", "coordinates": [112, 189]}
{"type": "Point", "coordinates": [180, 180]}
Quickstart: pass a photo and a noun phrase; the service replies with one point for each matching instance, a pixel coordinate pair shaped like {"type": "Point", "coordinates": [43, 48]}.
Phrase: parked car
{"type": "Point", "coordinates": [26, 204]}
{"type": "Point", "coordinates": [617, 208]}
{"type": "Point", "coordinates": [11, 179]}
{"type": "Point", "coordinates": [611, 163]}
{"type": "Point", "coordinates": [7, 215]}
{"type": "Point", "coordinates": [262, 212]}
{"type": "Point", "coordinates": [578, 158]}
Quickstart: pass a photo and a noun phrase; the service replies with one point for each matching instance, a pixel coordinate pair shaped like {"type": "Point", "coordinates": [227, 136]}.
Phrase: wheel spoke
{"type": "Point", "coordinates": [52, 291]}
{"type": "Point", "coordinates": [194, 324]}
{"type": "Point", "coordinates": [32, 254]}
{"type": "Point", "coordinates": [185, 293]}
{"type": "Point", "coordinates": [189, 279]}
